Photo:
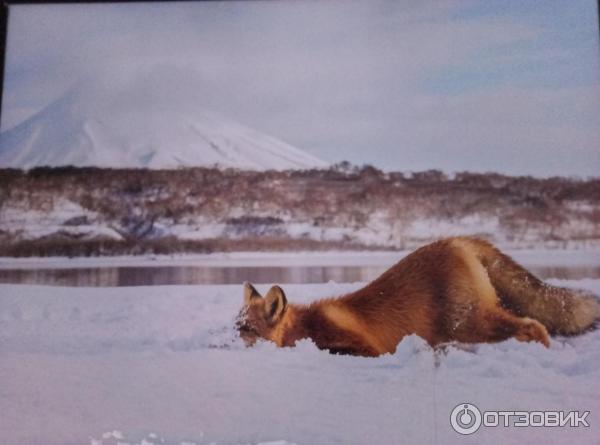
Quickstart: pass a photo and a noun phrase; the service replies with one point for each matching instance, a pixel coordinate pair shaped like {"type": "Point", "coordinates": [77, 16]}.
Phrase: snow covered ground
{"type": "Point", "coordinates": [50, 215]}
{"type": "Point", "coordinates": [161, 364]}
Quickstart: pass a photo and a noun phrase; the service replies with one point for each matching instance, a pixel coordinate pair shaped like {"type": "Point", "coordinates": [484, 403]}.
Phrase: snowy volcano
{"type": "Point", "coordinates": [135, 124]}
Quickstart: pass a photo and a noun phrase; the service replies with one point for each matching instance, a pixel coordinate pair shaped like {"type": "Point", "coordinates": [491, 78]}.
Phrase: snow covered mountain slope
{"type": "Point", "coordinates": [135, 124]}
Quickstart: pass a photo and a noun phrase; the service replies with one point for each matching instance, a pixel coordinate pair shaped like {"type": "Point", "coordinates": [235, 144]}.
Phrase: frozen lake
{"type": "Point", "coordinates": [266, 268]}
{"type": "Point", "coordinates": [147, 276]}
{"type": "Point", "coordinates": [161, 364]}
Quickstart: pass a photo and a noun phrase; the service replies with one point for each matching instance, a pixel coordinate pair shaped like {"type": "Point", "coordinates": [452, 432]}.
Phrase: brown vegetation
{"type": "Point", "coordinates": [254, 206]}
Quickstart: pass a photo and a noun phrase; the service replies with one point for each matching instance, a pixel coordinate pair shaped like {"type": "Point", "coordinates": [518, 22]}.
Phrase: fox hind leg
{"type": "Point", "coordinates": [486, 320]}
{"type": "Point", "coordinates": [499, 324]}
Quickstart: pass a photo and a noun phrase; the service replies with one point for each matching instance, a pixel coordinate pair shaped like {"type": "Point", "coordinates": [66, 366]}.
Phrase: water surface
{"type": "Point", "coordinates": [162, 275]}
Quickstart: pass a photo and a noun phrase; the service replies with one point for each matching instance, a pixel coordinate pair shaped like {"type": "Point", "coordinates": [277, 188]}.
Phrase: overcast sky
{"type": "Point", "coordinates": [509, 86]}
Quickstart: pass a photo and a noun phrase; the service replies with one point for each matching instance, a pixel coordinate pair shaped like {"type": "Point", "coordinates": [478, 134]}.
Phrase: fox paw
{"type": "Point", "coordinates": [533, 330]}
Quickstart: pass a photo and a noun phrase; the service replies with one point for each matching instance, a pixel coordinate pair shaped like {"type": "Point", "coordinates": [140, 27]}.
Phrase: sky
{"type": "Point", "coordinates": [511, 86]}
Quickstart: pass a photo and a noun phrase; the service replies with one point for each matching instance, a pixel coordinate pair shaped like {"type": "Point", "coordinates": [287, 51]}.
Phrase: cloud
{"type": "Point", "coordinates": [257, 49]}
{"type": "Point", "coordinates": [397, 84]}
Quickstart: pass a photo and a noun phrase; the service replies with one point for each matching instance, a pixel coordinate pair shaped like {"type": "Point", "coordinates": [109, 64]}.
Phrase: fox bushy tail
{"type": "Point", "coordinates": [563, 311]}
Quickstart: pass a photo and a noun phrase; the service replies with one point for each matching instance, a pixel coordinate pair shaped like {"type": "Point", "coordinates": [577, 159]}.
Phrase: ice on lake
{"type": "Point", "coordinates": [161, 364]}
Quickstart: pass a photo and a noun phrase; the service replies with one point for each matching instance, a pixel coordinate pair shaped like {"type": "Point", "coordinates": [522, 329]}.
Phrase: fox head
{"type": "Point", "coordinates": [260, 315]}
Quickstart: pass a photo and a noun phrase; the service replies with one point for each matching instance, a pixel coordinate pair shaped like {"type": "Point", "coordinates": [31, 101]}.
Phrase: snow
{"type": "Point", "coordinates": [44, 215]}
{"type": "Point", "coordinates": [528, 257]}
{"type": "Point", "coordinates": [199, 230]}
{"type": "Point", "coordinates": [52, 217]}
{"type": "Point", "coordinates": [129, 122]}
{"type": "Point", "coordinates": [161, 364]}
{"type": "Point", "coordinates": [29, 223]}
{"type": "Point", "coordinates": [425, 228]}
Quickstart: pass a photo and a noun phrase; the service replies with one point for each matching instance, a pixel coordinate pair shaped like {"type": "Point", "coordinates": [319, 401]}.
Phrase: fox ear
{"type": "Point", "coordinates": [250, 293]}
{"type": "Point", "coordinates": [275, 303]}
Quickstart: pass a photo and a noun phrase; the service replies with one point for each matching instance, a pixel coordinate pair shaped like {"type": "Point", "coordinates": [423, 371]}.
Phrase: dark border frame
{"type": "Point", "coordinates": [3, 34]}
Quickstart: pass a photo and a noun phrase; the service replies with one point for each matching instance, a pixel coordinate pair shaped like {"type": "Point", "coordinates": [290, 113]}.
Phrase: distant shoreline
{"type": "Point", "coordinates": [88, 212]}
{"type": "Point", "coordinates": [537, 257]}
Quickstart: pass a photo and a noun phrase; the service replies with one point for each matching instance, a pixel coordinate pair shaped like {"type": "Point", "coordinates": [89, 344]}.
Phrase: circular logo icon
{"type": "Point", "coordinates": [465, 418]}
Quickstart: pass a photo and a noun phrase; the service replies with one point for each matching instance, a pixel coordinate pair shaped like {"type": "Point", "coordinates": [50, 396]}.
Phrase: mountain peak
{"type": "Point", "coordinates": [136, 123]}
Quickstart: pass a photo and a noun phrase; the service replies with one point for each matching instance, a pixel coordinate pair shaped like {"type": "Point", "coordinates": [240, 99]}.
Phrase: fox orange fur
{"type": "Point", "coordinates": [457, 289]}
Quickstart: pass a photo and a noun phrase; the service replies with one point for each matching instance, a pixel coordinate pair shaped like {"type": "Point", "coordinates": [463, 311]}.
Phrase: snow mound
{"type": "Point", "coordinates": [141, 122]}
{"type": "Point", "coordinates": [161, 365]}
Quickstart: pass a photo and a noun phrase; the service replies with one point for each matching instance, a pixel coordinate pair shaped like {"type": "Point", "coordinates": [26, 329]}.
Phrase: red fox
{"type": "Point", "coordinates": [457, 289]}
